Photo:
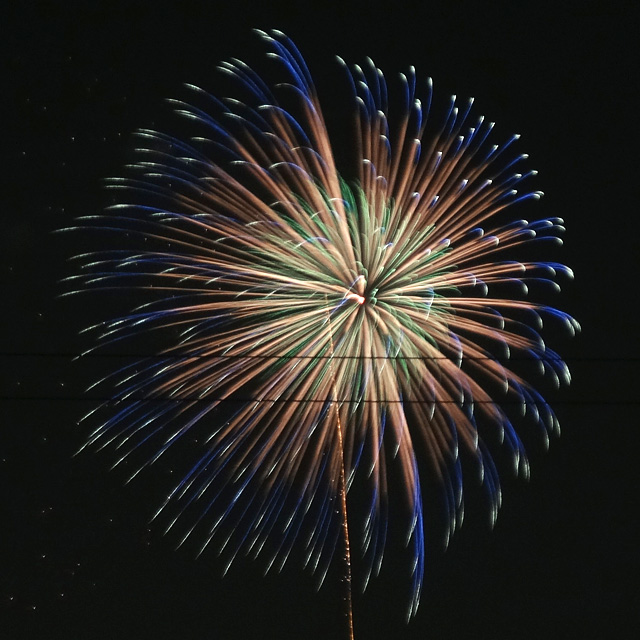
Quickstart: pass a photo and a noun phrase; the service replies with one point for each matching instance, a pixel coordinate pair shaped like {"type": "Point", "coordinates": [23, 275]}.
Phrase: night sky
{"type": "Point", "coordinates": [79, 559]}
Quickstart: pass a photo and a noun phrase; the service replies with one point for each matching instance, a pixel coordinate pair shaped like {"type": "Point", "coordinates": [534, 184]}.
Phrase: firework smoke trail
{"type": "Point", "coordinates": [303, 300]}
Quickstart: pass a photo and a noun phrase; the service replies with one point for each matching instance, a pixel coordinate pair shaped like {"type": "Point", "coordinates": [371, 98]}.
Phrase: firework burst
{"type": "Point", "coordinates": [346, 324]}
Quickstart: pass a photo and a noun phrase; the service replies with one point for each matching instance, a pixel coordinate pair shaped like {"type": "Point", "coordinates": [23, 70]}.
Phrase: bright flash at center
{"type": "Point", "coordinates": [354, 296]}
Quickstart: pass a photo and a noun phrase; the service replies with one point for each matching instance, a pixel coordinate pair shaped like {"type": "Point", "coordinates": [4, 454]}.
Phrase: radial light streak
{"type": "Point", "coordinates": [348, 324]}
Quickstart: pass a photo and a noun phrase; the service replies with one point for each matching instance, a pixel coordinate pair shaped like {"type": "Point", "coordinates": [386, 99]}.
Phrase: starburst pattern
{"type": "Point", "coordinates": [347, 324]}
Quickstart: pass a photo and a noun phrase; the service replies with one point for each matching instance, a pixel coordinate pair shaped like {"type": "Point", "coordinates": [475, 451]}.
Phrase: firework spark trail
{"type": "Point", "coordinates": [316, 301]}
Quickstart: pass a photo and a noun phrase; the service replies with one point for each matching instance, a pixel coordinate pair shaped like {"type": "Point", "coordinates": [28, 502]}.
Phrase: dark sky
{"type": "Point", "coordinates": [78, 559]}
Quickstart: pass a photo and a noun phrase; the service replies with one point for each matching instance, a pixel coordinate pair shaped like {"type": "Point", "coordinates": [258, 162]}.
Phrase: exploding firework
{"type": "Point", "coordinates": [320, 330]}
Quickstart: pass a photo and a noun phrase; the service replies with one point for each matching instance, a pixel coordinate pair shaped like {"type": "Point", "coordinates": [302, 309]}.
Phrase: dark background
{"type": "Point", "coordinates": [78, 559]}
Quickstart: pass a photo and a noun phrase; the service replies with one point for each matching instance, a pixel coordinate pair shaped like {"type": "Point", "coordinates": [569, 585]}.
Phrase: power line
{"type": "Point", "coordinates": [242, 400]}
{"type": "Point", "coordinates": [190, 356]}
